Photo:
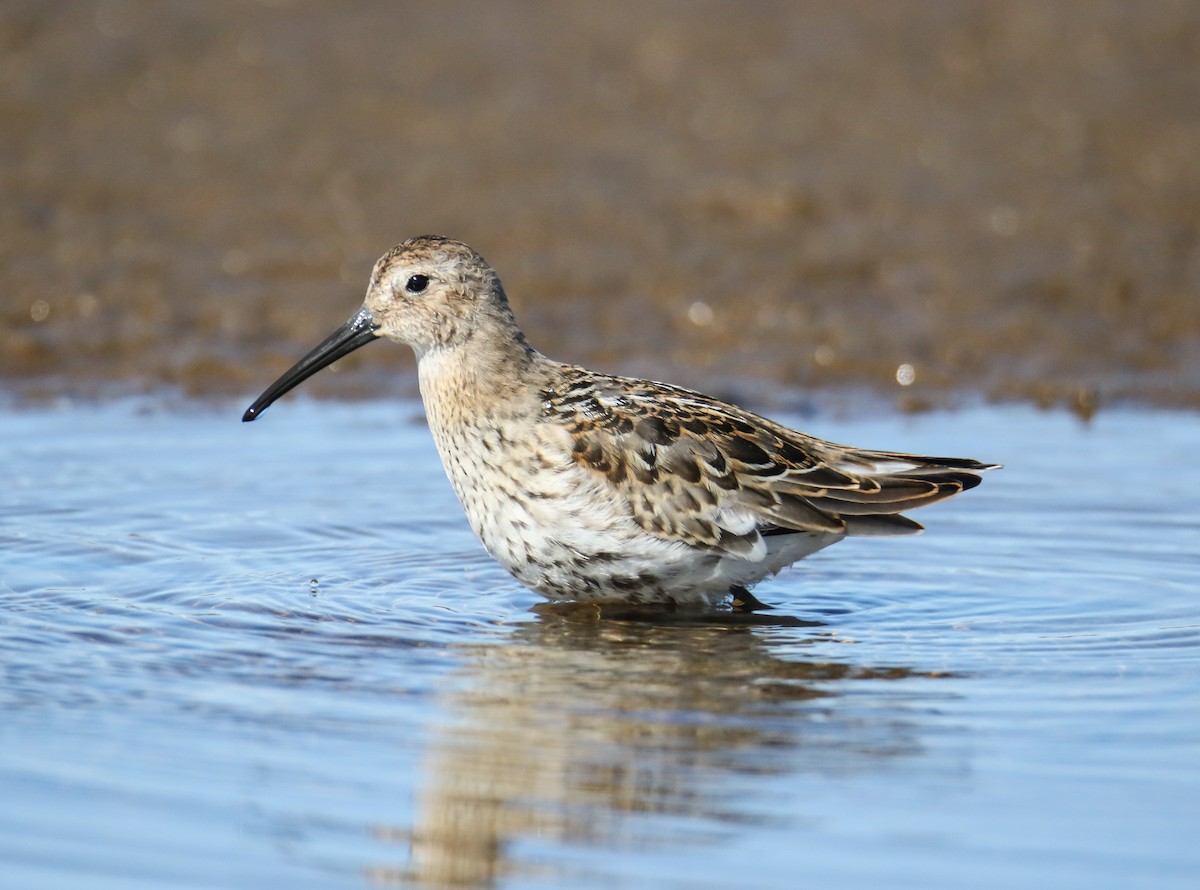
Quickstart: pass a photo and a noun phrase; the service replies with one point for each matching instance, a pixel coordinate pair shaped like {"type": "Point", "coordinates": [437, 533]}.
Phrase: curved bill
{"type": "Point", "coordinates": [358, 331]}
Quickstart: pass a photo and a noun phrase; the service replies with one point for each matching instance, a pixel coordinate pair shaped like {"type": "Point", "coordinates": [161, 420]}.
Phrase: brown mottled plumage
{"type": "Point", "coordinates": [592, 487]}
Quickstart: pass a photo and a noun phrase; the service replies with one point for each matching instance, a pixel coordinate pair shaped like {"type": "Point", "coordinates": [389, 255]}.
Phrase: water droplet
{"type": "Point", "coordinates": [906, 374]}
{"type": "Point", "coordinates": [700, 314]}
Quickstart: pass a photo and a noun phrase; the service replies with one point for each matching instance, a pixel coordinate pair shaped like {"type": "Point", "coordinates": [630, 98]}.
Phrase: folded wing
{"type": "Point", "coordinates": [697, 470]}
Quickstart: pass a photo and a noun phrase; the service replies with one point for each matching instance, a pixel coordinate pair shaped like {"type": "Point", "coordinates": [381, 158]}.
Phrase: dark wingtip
{"type": "Point", "coordinates": [960, 463]}
{"type": "Point", "coordinates": [251, 414]}
{"type": "Point", "coordinates": [967, 480]}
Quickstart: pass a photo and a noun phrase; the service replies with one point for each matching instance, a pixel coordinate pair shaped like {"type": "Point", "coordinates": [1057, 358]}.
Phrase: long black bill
{"type": "Point", "coordinates": [358, 331]}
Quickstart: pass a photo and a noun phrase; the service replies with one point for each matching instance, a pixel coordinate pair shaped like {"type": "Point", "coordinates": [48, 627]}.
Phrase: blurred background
{"type": "Point", "coordinates": [928, 201]}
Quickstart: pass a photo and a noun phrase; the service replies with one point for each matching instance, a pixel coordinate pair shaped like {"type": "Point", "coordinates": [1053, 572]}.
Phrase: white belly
{"type": "Point", "coordinates": [564, 532]}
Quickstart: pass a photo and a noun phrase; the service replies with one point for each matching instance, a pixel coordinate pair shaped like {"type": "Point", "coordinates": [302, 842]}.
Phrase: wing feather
{"type": "Point", "coordinates": [697, 470]}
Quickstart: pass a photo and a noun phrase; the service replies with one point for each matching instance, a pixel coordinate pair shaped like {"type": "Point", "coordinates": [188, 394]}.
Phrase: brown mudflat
{"type": "Point", "coordinates": [995, 199]}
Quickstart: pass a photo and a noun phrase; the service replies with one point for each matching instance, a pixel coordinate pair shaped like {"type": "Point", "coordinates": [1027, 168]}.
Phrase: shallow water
{"type": "Point", "coordinates": [274, 655]}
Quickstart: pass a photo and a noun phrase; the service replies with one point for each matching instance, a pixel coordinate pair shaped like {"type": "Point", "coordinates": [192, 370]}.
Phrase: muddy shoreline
{"type": "Point", "coordinates": [1003, 198]}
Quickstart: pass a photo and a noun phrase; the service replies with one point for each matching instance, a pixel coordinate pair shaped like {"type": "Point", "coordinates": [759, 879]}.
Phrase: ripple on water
{"type": "Point", "coordinates": [999, 697]}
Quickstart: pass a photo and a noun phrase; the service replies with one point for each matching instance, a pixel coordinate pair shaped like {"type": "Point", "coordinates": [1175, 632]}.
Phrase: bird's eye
{"type": "Point", "coordinates": [416, 284]}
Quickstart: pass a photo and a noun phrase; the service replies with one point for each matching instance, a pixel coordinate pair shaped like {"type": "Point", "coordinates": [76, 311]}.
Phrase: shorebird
{"type": "Point", "coordinates": [597, 488]}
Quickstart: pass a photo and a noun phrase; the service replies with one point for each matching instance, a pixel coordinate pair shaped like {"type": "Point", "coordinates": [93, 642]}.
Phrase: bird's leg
{"type": "Point", "coordinates": [745, 601]}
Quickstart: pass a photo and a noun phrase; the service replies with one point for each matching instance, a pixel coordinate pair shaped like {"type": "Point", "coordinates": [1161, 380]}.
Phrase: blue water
{"type": "Point", "coordinates": [273, 655]}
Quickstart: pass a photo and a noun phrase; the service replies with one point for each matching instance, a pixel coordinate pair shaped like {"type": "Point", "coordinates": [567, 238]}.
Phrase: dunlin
{"type": "Point", "coordinates": [597, 488]}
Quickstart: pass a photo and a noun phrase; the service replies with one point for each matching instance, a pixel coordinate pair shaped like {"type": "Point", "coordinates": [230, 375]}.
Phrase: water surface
{"type": "Point", "coordinates": [274, 655]}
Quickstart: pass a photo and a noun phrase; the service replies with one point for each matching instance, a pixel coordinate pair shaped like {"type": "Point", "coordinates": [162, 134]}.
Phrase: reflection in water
{"type": "Point", "coordinates": [575, 728]}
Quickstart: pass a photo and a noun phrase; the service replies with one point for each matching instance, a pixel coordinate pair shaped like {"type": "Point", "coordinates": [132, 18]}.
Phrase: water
{"type": "Point", "coordinates": [273, 655]}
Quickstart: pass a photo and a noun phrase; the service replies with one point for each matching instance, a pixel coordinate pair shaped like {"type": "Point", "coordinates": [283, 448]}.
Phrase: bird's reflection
{"type": "Point", "coordinates": [577, 728]}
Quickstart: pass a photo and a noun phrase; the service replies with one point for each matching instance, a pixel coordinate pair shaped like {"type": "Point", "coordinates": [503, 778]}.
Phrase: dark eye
{"type": "Point", "coordinates": [416, 284]}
